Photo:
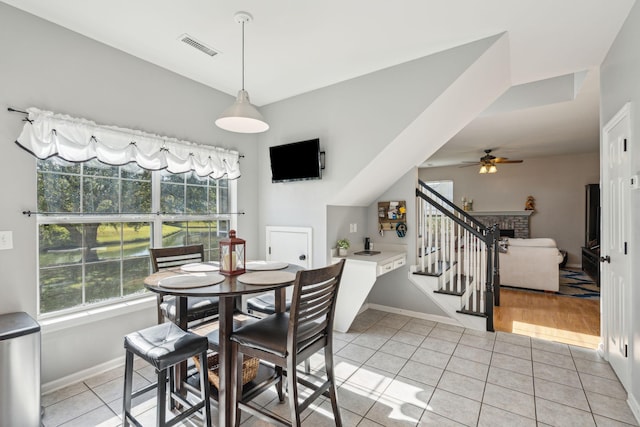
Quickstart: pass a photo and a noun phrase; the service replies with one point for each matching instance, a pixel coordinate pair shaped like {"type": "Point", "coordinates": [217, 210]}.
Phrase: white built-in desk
{"type": "Point", "coordinates": [359, 276]}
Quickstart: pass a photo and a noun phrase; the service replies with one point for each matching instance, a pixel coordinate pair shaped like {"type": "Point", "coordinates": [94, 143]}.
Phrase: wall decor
{"type": "Point", "coordinates": [390, 214]}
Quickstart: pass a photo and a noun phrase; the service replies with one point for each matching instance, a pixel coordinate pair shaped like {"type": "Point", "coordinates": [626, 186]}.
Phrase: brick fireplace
{"type": "Point", "coordinates": [512, 222]}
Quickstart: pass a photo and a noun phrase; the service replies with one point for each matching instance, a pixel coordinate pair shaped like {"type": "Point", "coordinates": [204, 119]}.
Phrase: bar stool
{"type": "Point", "coordinates": [164, 346]}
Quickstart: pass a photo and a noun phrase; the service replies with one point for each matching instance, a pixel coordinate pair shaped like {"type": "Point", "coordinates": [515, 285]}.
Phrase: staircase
{"type": "Point", "coordinates": [457, 260]}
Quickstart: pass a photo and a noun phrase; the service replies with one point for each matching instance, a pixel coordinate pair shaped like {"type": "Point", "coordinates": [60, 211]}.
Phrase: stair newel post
{"type": "Point", "coordinates": [496, 266]}
{"type": "Point", "coordinates": [488, 301]}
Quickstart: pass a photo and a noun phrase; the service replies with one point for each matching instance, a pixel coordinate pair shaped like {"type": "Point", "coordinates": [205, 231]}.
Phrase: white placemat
{"type": "Point", "coordinates": [266, 265]}
{"type": "Point", "coordinates": [188, 281]}
{"type": "Point", "coordinates": [199, 266]}
{"type": "Point", "coordinates": [266, 277]}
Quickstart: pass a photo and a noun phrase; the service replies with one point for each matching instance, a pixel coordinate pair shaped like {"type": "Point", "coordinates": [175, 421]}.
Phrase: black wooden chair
{"type": "Point", "coordinates": [198, 308]}
{"type": "Point", "coordinates": [284, 339]}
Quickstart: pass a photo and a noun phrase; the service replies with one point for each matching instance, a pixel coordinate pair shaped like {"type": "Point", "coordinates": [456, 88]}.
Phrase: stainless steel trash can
{"type": "Point", "coordinates": [19, 370]}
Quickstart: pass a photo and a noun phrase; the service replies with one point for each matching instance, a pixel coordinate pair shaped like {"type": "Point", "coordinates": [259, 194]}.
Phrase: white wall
{"type": "Point", "coordinates": [49, 67]}
{"type": "Point", "coordinates": [619, 84]}
{"type": "Point", "coordinates": [557, 183]}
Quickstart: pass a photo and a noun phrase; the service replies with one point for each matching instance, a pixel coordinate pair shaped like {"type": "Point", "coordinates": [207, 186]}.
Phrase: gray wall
{"type": "Point", "coordinates": [394, 289]}
{"type": "Point", "coordinates": [557, 183]}
{"type": "Point", "coordinates": [338, 220]}
{"type": "Point", "coordinates": [355, 120]}
{"type": "Point", "coordinates": [52, 68]}
{"type": "Point", "coordinates": [49, 67]}
{"type": "Point", "coordinates": [620, 83]}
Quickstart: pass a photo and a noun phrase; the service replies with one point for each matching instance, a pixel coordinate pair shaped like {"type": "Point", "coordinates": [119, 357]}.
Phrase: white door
{"type": "Point", "coordinates": [614, 248]}
{"type": "Point", "coordinates": [290, 244]}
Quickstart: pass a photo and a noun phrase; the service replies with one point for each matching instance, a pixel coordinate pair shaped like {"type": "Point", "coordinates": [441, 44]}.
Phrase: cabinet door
{"type": "Point", "coordinates": [289, 244]}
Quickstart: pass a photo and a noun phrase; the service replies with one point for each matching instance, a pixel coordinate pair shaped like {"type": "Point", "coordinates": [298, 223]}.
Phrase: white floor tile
{"type": "Point", "coordinates": [394, 370]}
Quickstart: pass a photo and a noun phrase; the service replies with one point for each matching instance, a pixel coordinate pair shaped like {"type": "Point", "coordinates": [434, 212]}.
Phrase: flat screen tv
{"type": "Point", "coordinates": [297, 161]}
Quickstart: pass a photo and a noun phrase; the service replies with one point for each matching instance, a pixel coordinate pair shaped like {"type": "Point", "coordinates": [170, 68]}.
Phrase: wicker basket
{"type": "Point", "coordinates": [249, 368]}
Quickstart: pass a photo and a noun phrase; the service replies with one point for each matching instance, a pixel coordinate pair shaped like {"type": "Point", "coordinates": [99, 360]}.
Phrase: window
{"type": "Point", "coordinates": [445, 188]}
{"type": "Point", "coordinates": [97, 224]}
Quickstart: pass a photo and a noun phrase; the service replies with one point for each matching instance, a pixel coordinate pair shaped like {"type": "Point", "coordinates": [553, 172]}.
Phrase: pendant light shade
{"type": "Point", "coordinates": [242, 116]}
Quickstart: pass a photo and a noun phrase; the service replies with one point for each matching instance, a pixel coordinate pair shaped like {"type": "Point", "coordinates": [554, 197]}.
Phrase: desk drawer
{"type": "Point", "coordinates": [399, 263]}
{"type": "Point", "coordinates": [385, 268]}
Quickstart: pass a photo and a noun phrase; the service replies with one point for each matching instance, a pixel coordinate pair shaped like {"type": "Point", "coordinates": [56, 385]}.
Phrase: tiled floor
{"type": "Point", "coordinates": [400, 371]}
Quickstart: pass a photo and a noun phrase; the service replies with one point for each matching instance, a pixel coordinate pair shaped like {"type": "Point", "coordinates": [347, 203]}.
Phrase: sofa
{"type": "Point", "coordinates": [531, 264]}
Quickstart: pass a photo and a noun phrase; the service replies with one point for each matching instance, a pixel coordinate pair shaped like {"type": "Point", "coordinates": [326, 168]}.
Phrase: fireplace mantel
{"type": "Point", "coordinates": [500, 213]}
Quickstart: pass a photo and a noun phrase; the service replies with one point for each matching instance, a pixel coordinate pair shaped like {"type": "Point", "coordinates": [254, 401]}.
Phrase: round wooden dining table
{"type": "Point", "coordinates": [182, 283]}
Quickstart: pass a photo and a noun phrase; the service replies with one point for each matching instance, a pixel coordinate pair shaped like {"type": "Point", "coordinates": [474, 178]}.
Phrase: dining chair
{"type": "Point", "coordinates": [284, 339]}
{"type": "Point", "coordinates": [198, 308]}
{"type": "Point", "coordinates": [265, 304]}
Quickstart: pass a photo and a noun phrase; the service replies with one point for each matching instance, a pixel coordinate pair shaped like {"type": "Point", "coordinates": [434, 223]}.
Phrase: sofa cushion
{"type": "Point", "coordinates": [540, 242]}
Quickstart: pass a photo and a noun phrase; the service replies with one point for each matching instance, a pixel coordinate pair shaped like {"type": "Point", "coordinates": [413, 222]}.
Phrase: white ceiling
{"type": "Point", "coordinates": [293, 47]}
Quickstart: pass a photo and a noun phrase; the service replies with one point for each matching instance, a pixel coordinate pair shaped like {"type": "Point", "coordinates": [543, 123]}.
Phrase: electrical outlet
{"type": "Point", "coordinates": [353, 228]}
{"type": "Point", "coordinates": [6, 240]}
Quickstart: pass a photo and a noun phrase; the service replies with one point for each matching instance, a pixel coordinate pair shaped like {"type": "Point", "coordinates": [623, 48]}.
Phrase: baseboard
{"type": "Point", "coordinates": [634, 406]}
{"type": "Point", "coordinates": [419, 315]}
{"type": "Point", "coordinates": [577, 266]}
{"type": "Point", "coordinates": [82, 375]}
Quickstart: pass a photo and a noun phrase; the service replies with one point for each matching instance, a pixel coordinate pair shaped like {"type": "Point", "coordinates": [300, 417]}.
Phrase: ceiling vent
{"type": "Point", "coordinates": [186, 38]}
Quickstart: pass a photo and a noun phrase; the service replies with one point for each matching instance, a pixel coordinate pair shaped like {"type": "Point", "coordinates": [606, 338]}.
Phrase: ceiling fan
{"type": "Point", "coordinates": [488, 162]}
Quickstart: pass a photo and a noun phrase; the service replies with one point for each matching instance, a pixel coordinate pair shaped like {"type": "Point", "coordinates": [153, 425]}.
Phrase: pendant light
{"type": "Point", "coordinates": [242, 116]}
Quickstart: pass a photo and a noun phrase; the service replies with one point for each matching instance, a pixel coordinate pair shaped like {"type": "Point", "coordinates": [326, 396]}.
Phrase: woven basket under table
{"type": "Point", "coordinates": [249, 368]}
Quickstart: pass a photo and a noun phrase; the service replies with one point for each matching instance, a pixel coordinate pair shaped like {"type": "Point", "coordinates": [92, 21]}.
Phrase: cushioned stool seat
{"type": "Point", "coordinates": [163, 346]}
{"type": "Point", "coordinates": [197, 308]}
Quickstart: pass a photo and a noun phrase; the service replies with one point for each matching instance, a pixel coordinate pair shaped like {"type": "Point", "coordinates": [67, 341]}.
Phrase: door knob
{"type": "Point", "coordinates": [302, 257]}
{"type": "Point", "coordinates": [605, 259]}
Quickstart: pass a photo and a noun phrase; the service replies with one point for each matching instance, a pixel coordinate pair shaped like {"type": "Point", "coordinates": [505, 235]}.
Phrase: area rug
{"type": "Point", "coordinates": [573, 283]}
{"type": "Point", "coordinates": [576, 283]}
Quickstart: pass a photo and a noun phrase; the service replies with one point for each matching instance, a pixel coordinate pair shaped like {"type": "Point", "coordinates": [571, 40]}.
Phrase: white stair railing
{"type": "Point", "coordinates": [460, 250]}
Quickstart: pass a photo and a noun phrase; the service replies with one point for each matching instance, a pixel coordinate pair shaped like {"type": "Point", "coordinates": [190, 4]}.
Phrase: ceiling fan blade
{"type": "Point", "coordinates": [503, 160]}
{"type": "Point", "coordinates": [469, 164]}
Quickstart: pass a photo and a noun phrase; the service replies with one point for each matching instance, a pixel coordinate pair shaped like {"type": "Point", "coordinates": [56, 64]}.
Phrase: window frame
{"type": "Point", "coordinates": [154, 219]}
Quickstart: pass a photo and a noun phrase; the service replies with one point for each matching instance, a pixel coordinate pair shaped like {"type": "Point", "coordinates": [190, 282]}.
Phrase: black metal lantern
{"type": "Point", "coordinates": [232, 255]}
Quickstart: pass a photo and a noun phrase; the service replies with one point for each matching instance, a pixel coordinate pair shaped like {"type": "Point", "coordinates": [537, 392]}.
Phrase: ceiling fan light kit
{"type": "Point", "coordinates": [242, 116]}
{"type": "Point", "coordinates": [488, 162]}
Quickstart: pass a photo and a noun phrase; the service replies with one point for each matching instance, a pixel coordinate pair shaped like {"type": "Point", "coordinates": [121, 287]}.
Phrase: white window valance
{"type": "Point", "coordinates": [47, 134]}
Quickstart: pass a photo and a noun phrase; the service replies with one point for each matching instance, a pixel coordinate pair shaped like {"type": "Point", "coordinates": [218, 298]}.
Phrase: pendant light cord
{"type": "Point", "coordinates": [243, 55]}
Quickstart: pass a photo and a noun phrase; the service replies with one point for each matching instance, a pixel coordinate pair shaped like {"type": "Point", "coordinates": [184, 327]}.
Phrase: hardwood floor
{"type": "Point", "coordinates": [563, 319]}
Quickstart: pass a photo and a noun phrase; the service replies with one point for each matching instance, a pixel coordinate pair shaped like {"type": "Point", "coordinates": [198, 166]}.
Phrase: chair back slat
{"type": "Point", "coordinates": [313, 304]}
{"type": "Point", "coordinates": [164, 258]}
{"type": "Point", "coordinates": [317, 311]}
{"type": "Point", "coordinates": [316, 331]}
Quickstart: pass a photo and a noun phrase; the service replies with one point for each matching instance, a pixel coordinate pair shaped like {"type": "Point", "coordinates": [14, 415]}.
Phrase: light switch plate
{"type": "Point", "coordinates": [6, 240]}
